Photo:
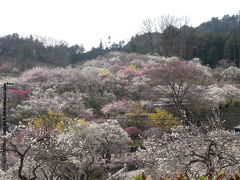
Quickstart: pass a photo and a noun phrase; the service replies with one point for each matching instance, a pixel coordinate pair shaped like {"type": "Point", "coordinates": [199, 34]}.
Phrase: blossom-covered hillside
{"type": "Point", "coordinates": [115, 81]}
{"type": "Point", "coordinates": [84, 117]}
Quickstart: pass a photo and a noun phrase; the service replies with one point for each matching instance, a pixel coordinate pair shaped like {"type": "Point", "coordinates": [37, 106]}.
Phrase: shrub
{"type": "Point", "coordinates": [133, 131]}
{"type": "Point", "coordinates": [163, 119]}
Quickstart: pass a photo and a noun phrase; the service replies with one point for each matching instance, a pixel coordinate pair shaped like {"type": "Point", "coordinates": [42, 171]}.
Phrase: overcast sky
{"type": "Point", "coordinates": [88, 21]}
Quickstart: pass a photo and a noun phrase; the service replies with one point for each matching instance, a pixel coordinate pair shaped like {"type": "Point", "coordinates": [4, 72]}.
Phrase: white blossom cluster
{"type": "Point", "coordinates": [31, 151]}
{"type": "Point", "coordinates": [232, 73]}
{"type": "Point", "coordinates": [216, 95]}
{"type": "Point", "coordinates": [191, 151]}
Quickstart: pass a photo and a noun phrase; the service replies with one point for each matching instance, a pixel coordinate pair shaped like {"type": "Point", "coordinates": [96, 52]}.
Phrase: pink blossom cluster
{"type": "Point", "coordinates": [139, 71]}
{"type": "Point", "coordinates": [128, 70]}
{"type": "Point", "coordinates": [132, 131]}
{"type": "Point", "coordinates": [20, 135]}
{"type": "Point", "coordinates": [115, 108]}
{"type": "Point", "coordinates": [119, 63]}
{"type": "Point", "coordinates": [220, 84]}
{"type": "Point", "coordinates": [88, 113]}
{"type": "Point", "coordinates": [5, 67]}
{"type": "Point", "coordinates": [237, 86]}
{"type": "Point", "coordinates": [20, 92]}
{"type": "Point", "coordinates": [146, 68]}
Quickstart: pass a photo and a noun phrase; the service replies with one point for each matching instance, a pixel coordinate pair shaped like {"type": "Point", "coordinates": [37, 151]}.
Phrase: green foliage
{"type": "Point", "coordinates": [97, 174]}
{"type": "Point", "coordinates": [136, 142]}
{"type": "Point", "coordinates": [234, 102]}
{"type": "Point", "coordinates": [138, 177]}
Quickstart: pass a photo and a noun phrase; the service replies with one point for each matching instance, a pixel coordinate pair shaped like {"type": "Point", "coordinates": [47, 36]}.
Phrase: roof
{"type": "Point", "coordinates": [236, 127]}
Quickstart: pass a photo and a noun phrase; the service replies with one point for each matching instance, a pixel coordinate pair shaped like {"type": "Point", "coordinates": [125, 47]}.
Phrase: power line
{"type": "Point", "coordinates": [104, 118]}
{"type": "Point", "coordinates": [81, 88]}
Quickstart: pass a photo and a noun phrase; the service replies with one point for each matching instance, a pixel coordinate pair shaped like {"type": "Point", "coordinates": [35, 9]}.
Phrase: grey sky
{"type": "Point", "coordinates": [89, 21]}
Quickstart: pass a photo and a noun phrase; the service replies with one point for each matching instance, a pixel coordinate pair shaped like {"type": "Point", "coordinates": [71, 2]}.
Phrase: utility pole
{"type": "Point", "coordinates": [4, 126]}
{"type": "Point", "coordinates": [238, 18]}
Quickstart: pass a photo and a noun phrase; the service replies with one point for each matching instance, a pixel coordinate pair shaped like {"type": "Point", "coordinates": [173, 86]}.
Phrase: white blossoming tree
{"type": "Point", "coordinates": [182, 81]}
{"type": "Point", "coordinates": [192, 151]}
{"type": "Point", "coordinates": [84, 144]}
{"type": "Point", "coordinates": [231, 74]}
{"type": "Point", "coordinates": [74, 152]}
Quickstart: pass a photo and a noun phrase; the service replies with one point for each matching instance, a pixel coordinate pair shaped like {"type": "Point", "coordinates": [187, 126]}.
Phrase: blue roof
{"type": "Point", "coordinates": [236, 127]}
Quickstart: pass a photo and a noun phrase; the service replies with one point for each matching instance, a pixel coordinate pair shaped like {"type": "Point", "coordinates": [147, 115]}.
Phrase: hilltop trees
{"type": "Point", "coordinates": [222, 25]}
{"type": "Point", "coordinates": [162, 33]}
{"type": "Point", "coordinates": [214, 45]}
{"type": "Point", "coordinates": [161, 23]}
{"type": "Point", "coordinates": [25, 52]}
{"type": "Point", "coordinates": [232, 46]}
{"type": "Point", "coordinates": [171, 36]}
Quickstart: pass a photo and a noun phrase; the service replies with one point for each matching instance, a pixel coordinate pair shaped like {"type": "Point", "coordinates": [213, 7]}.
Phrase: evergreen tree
{"type": "Point", "coordinates": [231, 48]}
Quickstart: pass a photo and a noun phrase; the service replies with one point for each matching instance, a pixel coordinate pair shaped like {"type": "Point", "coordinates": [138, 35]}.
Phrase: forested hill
{"type": "Point", "coordinates": [212, 41]}
{"type": "Point", "coordinates": [24, 52]}
{"type": "Point", "coordinates": [19, 53]}
{"type": "Point", "coordinates": [222, 26]}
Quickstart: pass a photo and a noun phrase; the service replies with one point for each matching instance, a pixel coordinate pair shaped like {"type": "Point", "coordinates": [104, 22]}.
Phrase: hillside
{"type": "Point", "coordinates": [141, 110]}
